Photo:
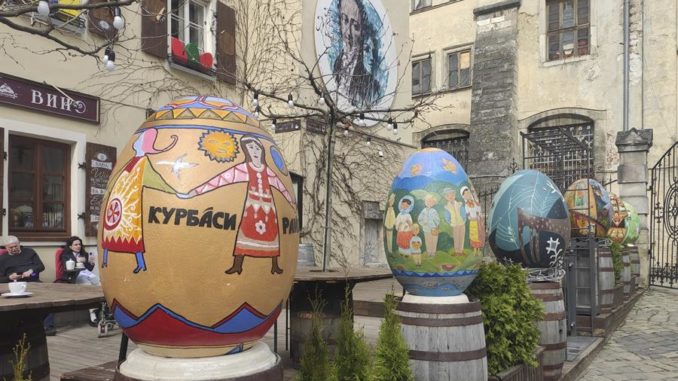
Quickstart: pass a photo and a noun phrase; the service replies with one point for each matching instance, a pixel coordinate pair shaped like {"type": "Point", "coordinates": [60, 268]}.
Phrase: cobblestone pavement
{"type": "Point", "coordinates": [645, 347]}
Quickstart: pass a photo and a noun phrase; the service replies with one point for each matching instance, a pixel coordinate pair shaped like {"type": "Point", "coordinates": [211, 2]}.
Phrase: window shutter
{"type": "Point", "coordinates": [154, 27]}
{"type": "Point", "coordinates": [226, 66]}
{"type": "Point", "coordinates": [100, 161]}
{"type": "Point", "coordinates": [100, 21]}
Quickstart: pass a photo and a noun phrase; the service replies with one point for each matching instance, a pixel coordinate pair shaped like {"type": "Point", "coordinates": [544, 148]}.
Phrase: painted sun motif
{"type": "Point", "coordinates": [219, 146]}
{"type": "Point", "coordinates": [415, 169]}
{"type": "Point", "coordinates": [449, 166]}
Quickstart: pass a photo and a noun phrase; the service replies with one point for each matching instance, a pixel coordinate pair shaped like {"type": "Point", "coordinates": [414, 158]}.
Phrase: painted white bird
{"type": "Point", "coordinates": [178, 165]}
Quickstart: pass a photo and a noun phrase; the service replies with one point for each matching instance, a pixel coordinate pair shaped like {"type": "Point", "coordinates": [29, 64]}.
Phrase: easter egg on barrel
{"type": "Point", "coordinates": [434, 226]}
{"type": "Point", "coordinates": [617, 230]}
{"type": "Point", "coordinates": [632, 222]}
{"type": "Point", "coordinates": [199, 231]}
{"type": "Point", "coordinates": [590, 208]}
{"type": "Point", "coordinates": [529, 222]}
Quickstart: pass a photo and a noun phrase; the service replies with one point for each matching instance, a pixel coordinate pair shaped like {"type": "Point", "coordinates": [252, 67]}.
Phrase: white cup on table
{"type": "Point", "coordinates": [17, 287]}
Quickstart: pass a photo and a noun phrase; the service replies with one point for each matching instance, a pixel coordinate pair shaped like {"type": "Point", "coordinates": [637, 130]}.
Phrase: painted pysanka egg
{"type": "Point", "coordinates": [199, 233]}
{"type": "Point", "coordinates": [632, 222]}
{"type": "Point", "coordinates": [590, 208]}
{"type": "Point", "coordinates": [529, 221]}
{"type": "Point", "coordinates": [617, 230]}
{"type": "Point", "coordinates": [434, 227]}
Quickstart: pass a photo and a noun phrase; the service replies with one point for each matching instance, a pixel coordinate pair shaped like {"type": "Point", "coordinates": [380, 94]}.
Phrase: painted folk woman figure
{"type": "Point", "coordinates": [403, 225]}
{"type": "Point", "coordinates": [258, 233]}
{"type": "Point", "coordinates": [123, 217]}
{"type": "Point", "coordinates": [473, 213]}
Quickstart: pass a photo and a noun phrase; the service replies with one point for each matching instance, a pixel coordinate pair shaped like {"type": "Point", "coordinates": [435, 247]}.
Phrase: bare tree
{"type": "Point", "coordinates": [286, 82]}
{"type": "Point", "coordinates": [35, 18]}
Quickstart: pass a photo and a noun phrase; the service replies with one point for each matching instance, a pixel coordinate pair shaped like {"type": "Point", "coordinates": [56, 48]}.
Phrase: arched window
{"type": "Point", "coordinates": [454, 142]}
{"type": "Point", "coordinates": [560, 146]}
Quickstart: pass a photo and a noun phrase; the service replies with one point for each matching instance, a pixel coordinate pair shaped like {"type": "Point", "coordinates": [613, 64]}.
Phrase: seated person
{"type": "Point", "coordinates": [74, 252]}
{"type": "Point", "coordinates": [20, 263]}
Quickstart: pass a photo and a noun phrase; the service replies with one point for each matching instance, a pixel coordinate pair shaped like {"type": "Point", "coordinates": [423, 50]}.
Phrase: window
{"type": "Point", "coordinates": [38, 186]}
{"type": "Point", "coordinates": [454, 142]}
{"type": "Point", "coordinates": [459, 69]}
{"type": "Point", "coordinates": [196, 34]}
{"type": "Point", "coordinates": [568, 28]}
{"type": "Point", "coordinates": [188, 22]}
{"type": "Point", "coordinates": [563, 152]}
{"type": "Point", "coordinates": [421, 76]}
{"type": "Point", "coordinates": [419, 4]}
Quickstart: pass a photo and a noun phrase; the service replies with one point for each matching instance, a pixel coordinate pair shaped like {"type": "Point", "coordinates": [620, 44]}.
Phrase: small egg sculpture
{"type": "Point", "coordinates": [434, 226]}
{"type": "Point", "coordinates": [632, 222]}
{"type": "Point", "coordinates": [529, 221]}
{"type": "Point", "coordinates": [590, 208]}
{"type": "Point", "coordinates": [199, 232]}
{"type": "Point", "coordinates": [617, 230]}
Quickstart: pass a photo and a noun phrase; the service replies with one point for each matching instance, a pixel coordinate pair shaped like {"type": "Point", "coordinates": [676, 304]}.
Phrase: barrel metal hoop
{"type": "Point", "coordinates": [554, 316]}
{"type": "Point", "coordinates": [429, 322]}
{"type": "Point", "coordinates": [439, 308]}
{"type": "Point", "coordinates": [448, 356]}
{"type": "Point", "coordinates": [548, 298]}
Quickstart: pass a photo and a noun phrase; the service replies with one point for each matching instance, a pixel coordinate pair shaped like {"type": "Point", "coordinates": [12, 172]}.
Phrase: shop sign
{"type": "Point", "coordinates": [43, 97]}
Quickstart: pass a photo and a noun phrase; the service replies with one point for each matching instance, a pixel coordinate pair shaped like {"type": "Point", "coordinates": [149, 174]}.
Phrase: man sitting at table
{"type": "Point", "coordinates": [20, 263]}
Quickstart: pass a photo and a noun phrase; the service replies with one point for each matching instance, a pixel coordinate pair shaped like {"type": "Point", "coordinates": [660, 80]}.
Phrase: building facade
{"type": "Point", "coordinates": [64, 115]}
{"type": "Point", "coordinates": [539, 83]}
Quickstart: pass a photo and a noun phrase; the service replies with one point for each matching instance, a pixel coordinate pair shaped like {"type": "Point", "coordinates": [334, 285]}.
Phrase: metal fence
{"type": "Point", "coordinates": [664, 220]}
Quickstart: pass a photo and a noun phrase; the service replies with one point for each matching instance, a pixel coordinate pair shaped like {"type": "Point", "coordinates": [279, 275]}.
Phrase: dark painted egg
{"type": "Point", "coordinates": [529, 222]}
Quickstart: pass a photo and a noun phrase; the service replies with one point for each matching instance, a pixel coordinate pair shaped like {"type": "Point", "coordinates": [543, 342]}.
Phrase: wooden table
{"type": "Point", "coordinates": [24, 316]}
{"type": "Point", "coordinates": [333, 287]}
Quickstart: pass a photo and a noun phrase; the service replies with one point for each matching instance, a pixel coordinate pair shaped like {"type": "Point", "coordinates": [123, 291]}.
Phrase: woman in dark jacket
{"type": "Point", "coordinates": [74, 252]}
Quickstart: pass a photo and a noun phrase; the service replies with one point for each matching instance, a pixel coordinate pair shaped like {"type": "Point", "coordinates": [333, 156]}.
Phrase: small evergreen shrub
{"type": "Point", "coordinates": [391, 362]}
{"type": "Point", "coordinates": [353, 359]}
{"type": "Point", "coordinates": [617, 263]}
{"type": "Point", "coordinates": [315, 362]}
{"type": "Point", "coordinates": [510, 313]}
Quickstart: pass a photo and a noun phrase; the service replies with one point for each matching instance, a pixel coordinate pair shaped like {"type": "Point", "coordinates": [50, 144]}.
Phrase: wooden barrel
{"type": "Point", "coordinates": [635, 261]}
{"type": "Point", "coordinates": [37, 362]}
{"type": "Point", "coordinates": [300, 328]}
{"type": "Point", "coordinates": [605, 279]}
{"type": "Point", "coordinates": [626, 274]}
{"type": "Point", "coordinates": [553, 328]}
{"type": "Point", "coordinates": [445, 341]}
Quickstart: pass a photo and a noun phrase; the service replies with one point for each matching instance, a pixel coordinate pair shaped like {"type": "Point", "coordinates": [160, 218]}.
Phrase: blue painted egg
{"type": "Point", "coordinates": [529, 222]}
{"type": "Point", "coordinates": [434, 228]}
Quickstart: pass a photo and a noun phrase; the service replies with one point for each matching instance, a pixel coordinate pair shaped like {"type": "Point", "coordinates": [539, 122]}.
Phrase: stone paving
{"type": "Point", "coordinates": [645, 347]}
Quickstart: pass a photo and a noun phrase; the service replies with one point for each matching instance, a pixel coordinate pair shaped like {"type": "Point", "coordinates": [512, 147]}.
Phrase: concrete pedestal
{"type": "Point", "coordinates": [257, 363]}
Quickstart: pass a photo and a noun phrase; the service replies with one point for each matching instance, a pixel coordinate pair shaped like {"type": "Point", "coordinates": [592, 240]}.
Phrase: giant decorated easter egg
{"type": "Point", "coordinates": [434, 227]}
{"type": "Point", "coordinates": [590, 208]}
{"type": "Point", "coordinates": [617, 230]}
{"type": "Point", "coordinates": [632, 222]}
{"type": "Point", "coordinates": [529, 222]}
{"type": "Point", "coordinates": [198, 232]}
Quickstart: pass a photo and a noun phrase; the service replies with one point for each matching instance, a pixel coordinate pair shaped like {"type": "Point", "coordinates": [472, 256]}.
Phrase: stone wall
{"type": "Point", "coordinates": [493, 141]}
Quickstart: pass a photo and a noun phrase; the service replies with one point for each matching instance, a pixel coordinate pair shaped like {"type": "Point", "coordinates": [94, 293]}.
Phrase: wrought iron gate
{"type": "Point", "coordinates": [664, 220]}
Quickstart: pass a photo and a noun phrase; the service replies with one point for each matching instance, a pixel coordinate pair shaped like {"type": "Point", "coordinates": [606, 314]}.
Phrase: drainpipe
{"type": "Point", "coordinates": [627, 11]}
